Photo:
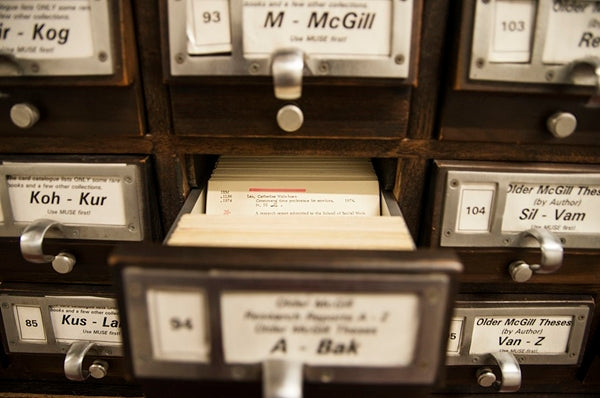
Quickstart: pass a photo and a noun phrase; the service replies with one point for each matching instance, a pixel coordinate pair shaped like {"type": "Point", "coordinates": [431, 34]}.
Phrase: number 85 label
{"type": "Point", "coordinates": [30, 324]}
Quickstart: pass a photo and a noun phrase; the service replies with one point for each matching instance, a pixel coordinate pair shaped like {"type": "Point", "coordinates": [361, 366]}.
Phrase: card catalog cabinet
{"type": "Point", "coordinates": [480, 118]}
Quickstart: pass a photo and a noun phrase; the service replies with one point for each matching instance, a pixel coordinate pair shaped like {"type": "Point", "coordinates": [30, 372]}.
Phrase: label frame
{"type": "Point", "coordinates": [51, 345]}
{"type": "Point", "coordinates": [534, 71]}
{"type": "Point", "coordinates": [134, 228]}
{"type": "Point", "coordinates": [581, 310]}
{"type": "Point", "coordinates": [495, 237]}
{"type": "Point", "coordinates": [102, 17]}
{"type": "Point", "coordinates": [235, 64]}
{"type": "Point", "coordinates": [136, 281]}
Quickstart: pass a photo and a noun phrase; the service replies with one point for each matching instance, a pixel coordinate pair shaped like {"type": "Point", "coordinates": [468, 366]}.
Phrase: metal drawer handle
{"type": "Point", "coordinates": [282, 379]}
{"type": "Point", "coordinates": [73, 365]}
{"type": "Point", "coordinates": [552, 256]}
{"type": "Point", "coordinates": [9, 66]}
{"type": "Point", "coordinates": [586, 71]}
{"type": "Point", "coordinates": [31, 246]}
{"type": "Point", "coordinates": [510, 372]}
{"type": "Point", "coordinates": [287, 67]}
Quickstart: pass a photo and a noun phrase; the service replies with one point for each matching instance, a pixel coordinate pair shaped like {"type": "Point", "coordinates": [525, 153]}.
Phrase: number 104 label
{"type": "Point", "coordinates": [475, 207]}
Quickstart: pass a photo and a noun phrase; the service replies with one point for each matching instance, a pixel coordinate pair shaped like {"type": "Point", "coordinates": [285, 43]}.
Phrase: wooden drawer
{"type": "Point", "coordinates": [78, 207]}
{"type": "Point", "coordinates": [506, 196]}
{"type": "Point", "coordinates": [234, 92]}
{"type": "Point", "coordinates": [536, 99]}
{"type": "Point", "coordinates": [40, 324]}
{"type": "Point", "coordinates": [89, 87]}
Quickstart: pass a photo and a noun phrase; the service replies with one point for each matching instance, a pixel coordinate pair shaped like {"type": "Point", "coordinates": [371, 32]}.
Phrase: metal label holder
{"type": "Point", "coordinates": [431, 283]}
{"type": "Point", "coordinates": [396, 65]}
{"type": "Point", "coordinates": [495, 237]}
{"type": "Point", "coordinates": [100, 63]}
{"type": "Point", "coordinates": [580, 310]}
{"type": "Point", "coordinates": [534, 71]}
{"type": "Point", "coordinates": [51, 345]}
{"type": "Point", "coordinates": [131, 180]}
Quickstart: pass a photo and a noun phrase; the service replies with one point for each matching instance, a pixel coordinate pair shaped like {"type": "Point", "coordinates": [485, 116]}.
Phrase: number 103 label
{"type": "Point", "coordinates": [513, 29]}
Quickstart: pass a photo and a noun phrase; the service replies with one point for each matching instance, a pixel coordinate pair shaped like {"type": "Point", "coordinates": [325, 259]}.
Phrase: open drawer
{"type": "Point", "coordinates": [194, 227]}
{"type": "Point", "coordinates": [224, 319]}
{"type": "Point", "coordinates": [231, 318]}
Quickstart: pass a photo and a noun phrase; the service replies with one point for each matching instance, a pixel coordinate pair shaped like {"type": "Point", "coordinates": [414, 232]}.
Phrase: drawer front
{"type": "Point", "coordinates": [346, 67]}
{"type": "Point", "coordinates": [69, 69]}
{"type": "Point", "coordinates": [503, 217]}
{"type": "Point", "coordinates": [60, 332]}
{"type": "Point", "coordinates": [526, 72]}
{"type": "Point", "coordinates": [60, 218]}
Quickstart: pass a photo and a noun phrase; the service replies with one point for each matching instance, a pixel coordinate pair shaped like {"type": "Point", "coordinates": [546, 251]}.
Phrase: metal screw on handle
{"type": "Point", "coordinates": [24, 115]}
{"type": "Point", "coordinates": [551, 251]}
{"type": "Point", "coordinates": [98, 369]}
{"type": "Point", "coordinates": [520, 271]}
{"type": "Point", "coordinates": [485, 377]}
{"type": "Point", "coordinates": [290, 118]}
{"type": "Point", "coordinates": [63, 263]}
{"type": "Point", "coordinates": [562, 124]}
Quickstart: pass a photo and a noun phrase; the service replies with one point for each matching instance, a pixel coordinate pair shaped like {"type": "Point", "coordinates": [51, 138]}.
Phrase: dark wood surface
{"type": "Point", "coordinates": [75, 112]}
{"type": "Point", "coordinates": [516, 118]}
{"type": "Point", "coordinates": [249, 111]}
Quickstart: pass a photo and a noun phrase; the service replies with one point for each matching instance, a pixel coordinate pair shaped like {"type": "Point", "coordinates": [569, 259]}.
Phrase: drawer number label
{"type": "Point", "coordinates": [31, 326]}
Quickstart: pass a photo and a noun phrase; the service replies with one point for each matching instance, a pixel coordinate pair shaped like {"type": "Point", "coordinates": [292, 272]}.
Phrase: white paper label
{"type": "Point", "coordinates": [208, 28]}
{"type": "Point", "coordinates": [564, 208]}
{"type": "Point", "coordinates": [573, 31]}
{"type": "Point", "coordinates": [513, 30]}
{"type": "Point", "coordinates": [351, 29]}
{"type": "Point", "coordinates": [73, 323]}
{"type": "Point", "coordinates": [70, 200]}
{"type": "Point", "coordinates": [282, 198]}
{"type": "Point", "coordinates": [37, 29]}
{"type": "Point", "coordinates": [521, 334]}
{"type": "Point", "coordinates": [320, 328]}
{"type": "Point", "coordinates": [475, 207]}
{"type": "Point", "coordinates": [179, 326]}
{"type": "Point", "coordinates": [455, 335]}
{"type": "Point", "coordinates": [30, 324]}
